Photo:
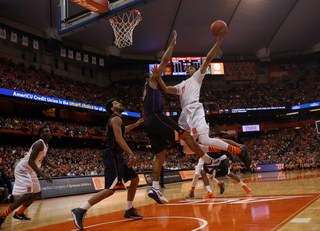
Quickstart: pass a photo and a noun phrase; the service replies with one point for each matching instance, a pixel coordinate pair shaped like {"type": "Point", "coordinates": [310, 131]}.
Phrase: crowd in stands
{"type": "Point", "coordinates": [87, 161]}
{"type": "Point", "coordinates": [70, 129]}
{"type": "Point", "coordinates": [38, 81]}
{"type": "Point", "coordinates": [296, 148]}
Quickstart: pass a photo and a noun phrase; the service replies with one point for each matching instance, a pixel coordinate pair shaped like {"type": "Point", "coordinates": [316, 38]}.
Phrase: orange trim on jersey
{"type": "Point", "coordinates": [119, 186]}
{"type": "Point", "coordinates": [115, 166]}
{"type": "Point", "coordinates": [183, 135]}
{"type": "Point", "coordinates": [174, 121]}
{"type": "Point", "coordinates": [163, 122]}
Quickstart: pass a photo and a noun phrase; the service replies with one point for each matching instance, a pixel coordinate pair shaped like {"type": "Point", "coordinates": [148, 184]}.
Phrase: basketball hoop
{"type": "Point", "coordinates": [123, 27]}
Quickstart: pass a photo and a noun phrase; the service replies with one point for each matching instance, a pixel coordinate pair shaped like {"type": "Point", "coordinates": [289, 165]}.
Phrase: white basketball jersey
{"type": "Point", "coordinates": [189, 90]}
{"type": "Point", "coordinates": [38, 160]}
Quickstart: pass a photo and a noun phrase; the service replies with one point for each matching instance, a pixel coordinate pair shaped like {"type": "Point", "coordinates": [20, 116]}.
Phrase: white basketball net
{"type": "Point", "coordinates": [123, 27]}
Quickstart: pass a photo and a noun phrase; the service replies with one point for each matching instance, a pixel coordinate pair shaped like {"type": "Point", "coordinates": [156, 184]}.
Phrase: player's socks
{"type": "Point", "coordinates": [245, 187]}
{"type": "Point", "coordinates": [234, 150]}
{"type": "Point", "coordinates": [6, 212]}
{"type": "Point", "coordinates": [192, 189]}
{"type": "Point", "coordinates": [86, 206]}
{"type": "Point", "coordinates": [209, 188]}
{"type": "Point", "coordinates": [213, 149]}
{"type": "Point", "coordinates": [195, 180]}
{"type": "Point", "coordinates": [21, 210]}
{"type": "Point", "coordinates": [129, 204]}
{"type": "Point", "coordinates": [206, 158]}
{"type": "Point", "coordinates": [155, 184]}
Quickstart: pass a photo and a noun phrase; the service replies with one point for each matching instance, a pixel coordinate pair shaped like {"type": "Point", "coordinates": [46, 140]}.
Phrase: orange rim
{"type": "Point", "coordinates": [127, 23]}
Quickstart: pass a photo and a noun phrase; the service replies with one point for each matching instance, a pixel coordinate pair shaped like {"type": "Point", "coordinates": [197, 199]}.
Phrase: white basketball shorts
{"type": "Point", "coordinates": [26, 181]}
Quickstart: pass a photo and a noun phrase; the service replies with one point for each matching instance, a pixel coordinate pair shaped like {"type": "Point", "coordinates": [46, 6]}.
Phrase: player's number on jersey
{"type": "Point", "coordinates": [194, 130]}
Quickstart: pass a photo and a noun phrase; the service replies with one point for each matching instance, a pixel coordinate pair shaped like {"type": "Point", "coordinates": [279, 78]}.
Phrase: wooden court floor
{"type": "Point", "coordinates": [279, 201]}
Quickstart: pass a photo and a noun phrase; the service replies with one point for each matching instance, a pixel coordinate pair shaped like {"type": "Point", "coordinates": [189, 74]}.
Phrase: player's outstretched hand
{"type": "Point", "coordinates": [156, 71]}
{"type": "Point", "coordinates": [174, 39]}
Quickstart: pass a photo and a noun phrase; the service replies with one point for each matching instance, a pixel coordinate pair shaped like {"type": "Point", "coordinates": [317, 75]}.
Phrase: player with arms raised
{"type": "Point", "coordinates": [192, 117]}
{"type": "Point", "coordinates": [161, 129]}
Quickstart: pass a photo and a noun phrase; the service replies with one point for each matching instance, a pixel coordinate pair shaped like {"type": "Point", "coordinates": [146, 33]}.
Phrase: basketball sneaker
{"type": "Point", "coordinates": [132, 213]}
{"type": "Point", "coordinates": [215, 162]}
{"type": "Point", "coordinates": [245, 187]}
{"type": "Point", "coordinates": [78, 217]}
{"type": "Point", "coordinates": [21, 217]}
{"type": "Point", "coordinates": [2, 220]}
{"type": "Point", "coordinates": [190, 195]}
{"type": "Point", "coordinates": [157, 196]}
{"type": "Point", "coordinates": [209, 195]}
{"type": "Point", "coordinates": [245, 156]}
{"type": "Point", "coordinates": [221, 186]}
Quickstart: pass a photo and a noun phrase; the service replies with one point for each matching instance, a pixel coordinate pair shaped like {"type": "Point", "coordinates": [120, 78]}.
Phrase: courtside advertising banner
{"type": "Point", "coordinates": [187, 175]}
{"type": "Point", "coordinates": [67, 186]}
{"type": "Point", "coordinates": [171, 176]}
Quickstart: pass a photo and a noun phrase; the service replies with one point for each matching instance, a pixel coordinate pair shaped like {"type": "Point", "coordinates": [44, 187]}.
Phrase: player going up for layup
{"type": "Point", "coordinates": [161, 129]}
{"type": "Point", "coordinates": [192, 117]}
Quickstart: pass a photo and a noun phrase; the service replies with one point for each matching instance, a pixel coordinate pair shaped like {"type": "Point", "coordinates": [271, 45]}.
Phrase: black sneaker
{"type": "Point", "coordinates": [245, 156]}
{"type": "Point", "coordinates": [2, 220]}
{"type": "Point", "coordinates": [21, 217]}
{"type": "Point", "coordinates": [78, 217]}
{"type": "Point", "coordinates": [229, 154]}
{"type": "Point", "coordinates": [132, 213]}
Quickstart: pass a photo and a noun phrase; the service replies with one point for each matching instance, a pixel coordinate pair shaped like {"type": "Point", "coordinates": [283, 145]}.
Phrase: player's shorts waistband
{"type": "Point", "coordinates": [196, 101]}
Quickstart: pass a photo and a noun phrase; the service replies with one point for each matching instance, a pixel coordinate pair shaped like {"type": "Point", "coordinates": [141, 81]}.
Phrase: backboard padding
{"type": "Point", "coordinates": [73, 23]}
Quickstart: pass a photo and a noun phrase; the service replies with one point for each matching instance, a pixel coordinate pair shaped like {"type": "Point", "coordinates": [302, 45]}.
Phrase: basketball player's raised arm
{"type": "Point", "coordinates": [165, 59]}
{"type": "Point", "coordinates": [212, 53]}
{"type": "Point", "coordinates": [36, 149]}
{"type": "Point", "coordinates": [116, 123]}
{"type": "Point", "coordinates": [167, 55]}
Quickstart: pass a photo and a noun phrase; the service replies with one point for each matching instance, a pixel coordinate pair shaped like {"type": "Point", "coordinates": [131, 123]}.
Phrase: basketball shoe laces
{"type": "Point", "coordinates": [158, 192]}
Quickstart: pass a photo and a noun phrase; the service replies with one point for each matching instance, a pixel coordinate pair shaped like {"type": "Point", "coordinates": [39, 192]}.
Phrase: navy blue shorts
{"type": "Point", "coordinates": [221, 170]}
{"type": "Point", "coordinates": [116, 169]}
{"type": "Point", "coordinates": [161, 131]}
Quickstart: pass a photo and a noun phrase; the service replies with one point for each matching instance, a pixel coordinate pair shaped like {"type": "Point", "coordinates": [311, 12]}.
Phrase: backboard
{"type": "Point", "coordinates": [72, 17]}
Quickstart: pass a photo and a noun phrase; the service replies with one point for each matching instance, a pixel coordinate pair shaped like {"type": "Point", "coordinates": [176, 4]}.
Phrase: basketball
{"type": "Point", "coordinates": [217, 26]}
